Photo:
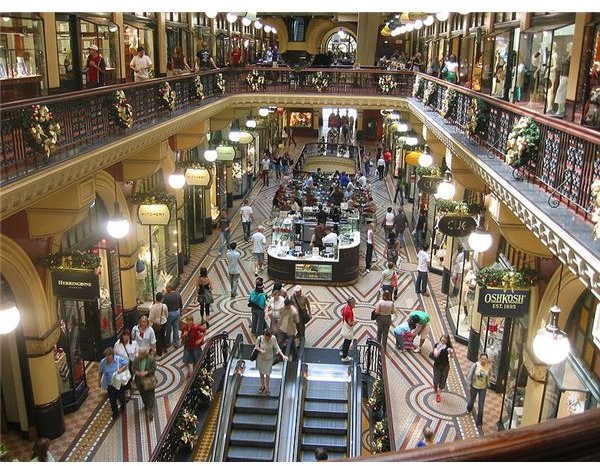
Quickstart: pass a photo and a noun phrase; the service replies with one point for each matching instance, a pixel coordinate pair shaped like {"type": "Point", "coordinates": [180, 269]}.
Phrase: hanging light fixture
{"type": "Point", "coordinates": [442, 16]}
{"type": "Point", "coordinates": [234, 131]}
{"type": "Point", "coordinates": [210, 153]}
{"type": "Point", "coordinates": [250, 121]}
{"type": "Point", "coordinates": [273, 30]}
{"type": "Point", "coordinates": [480, 239]}
{"type": "Point", "coordinates": [9, 318]}
{"type": "Point", "coordinates": [402, 29]}
{"type": "Point", "coordinates": [551, 345]}
{"type": "Point", "coordinates": [409, 27]}
{"type": "Point", "coordinates": [246, 21]}
{"type": "Point", "coordinates": [418, 24]}
{"type": "Point", "coordinates": [446, 188]}
{"type": "Point", "coordinates": [263, 111]}
{"type": "Point", "coordinates": [425, 158]}
{"type": "Point", "coordinates": [212, 14]}
{"type": "Point", "coordinates": [429, 20]}
{"type": "Point", "coordinates": [177, 179]}
{"type": "Point", "coordinates": [267, 28]}
{"type": "Point", "coordinates": [118, 225]}
{"type": "Point", "coordinates": [258, 24]}
{"type": "Point", "coordinates": [395, 32]}
{"type": "Point", "coordinates": [231, 18]}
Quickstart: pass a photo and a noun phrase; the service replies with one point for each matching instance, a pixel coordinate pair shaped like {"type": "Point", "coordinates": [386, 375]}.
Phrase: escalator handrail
{"type": "Point", "coordinates": [287, 351]}
{"type": "Point", "coordinates": [295, 412]}
{"type": "Point", "coordinates": [354, 406]}
{"type": "Point", "coordinates": [302, 374]}
{"type": "Point", "coordinates": [220, 441]}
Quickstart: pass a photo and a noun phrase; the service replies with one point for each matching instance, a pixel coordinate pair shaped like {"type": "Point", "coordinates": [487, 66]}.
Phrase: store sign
{"type": "Point", "coordinates": [225, 153]}
{"type": "Point", "coordinates": [503, 303]}
{"type": "Point", "coordinates": [69, 284]}
{"type": "Point", "coordinates": [457, 225]}
{"type": "Point", "coordinates": [154, 214]}
{"type": "Point", "coordinates": [429, 184]}
{"type": "Point", "coordinates": [197, 177]}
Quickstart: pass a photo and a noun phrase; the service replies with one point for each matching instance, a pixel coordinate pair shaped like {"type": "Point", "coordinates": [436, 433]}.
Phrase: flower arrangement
{"type": "Point", "coordinates": [255, 80]}
{"type": "Point", "coordinates": [595, 191]}
{"type": "Point", "coordinates": [380, 442]}
{"type": "Point", "coordinates": [506, 279]}
{"type": "Point", "coordinates": [120, 109]}
{"type": "Point", "coordinates": [320, 81]}
{"type": "Point", "coordinates": [155, 197]}
{"type": "Point", "coordinates": [203, 384]}
{"type": "Point", "coordinates": [522, 143]}
{"type": "Point", "coordinates": [448, 103]}
{"type": "Point", "coordinates": [433, 170]}
{"type": "Point", "coordinates": [221, 83]}
{"type": "Point", "coordinates": [186, 423]}
{"type": "Point", "coordinates": [429, 92]}
{"type": "Point", "coordinates": [41, 131]}
{"type": "Point", "coordinates": [76, 259]}
{"type": "Point", "coordinates": [387, 83]}
{"type": "Point", "coordinates": [199, 88]}
{"type": "Point", "coordinates": [419, 87]}
{"type": "Point", "coordinates": [377, 398]}
{"type": "Point", "coordinates": [477, 115]}
{"type": "Point", "coordinates": [168, 95]}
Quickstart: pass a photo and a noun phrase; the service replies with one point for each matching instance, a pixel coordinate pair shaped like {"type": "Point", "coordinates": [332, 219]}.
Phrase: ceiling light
{"type": "Point", "coordinates": [409, 27]}
{"type": "Point", "coordinates": [234, 131]}
{"type": "Point", "coordinates": [402, 29]}
{"type": "Point", "coordinates": [211, 14]}
{"type": "Point", "coordinates": [251, 121]}
{"type": "Point", "coordinates": [446, 188]}
{"type": "Point", "coordinates": [273, 30]}
{"type": "Point", "coordinates": [210, 154]}
{"type": "Point", "coordinates": [341, 34]}
{"type": "Point", "coordinates": [258, 24]}
{"type": "Point", "coordinates": [231, 18]}
{"type": "Point", "coordinates": [117, 226]}
{"type": "Point", "coordinates": [246, 21]}
{"type": "Point", "coordinates": [480, 240]}
{"type": "Point", "coordinates": [418, 24]}
{"type": "Point", "coordinates": [177, 179]}
{"type": "Point", "coordinates": [267, 28]}
{"type": "Point", "coordinates": [551, 345]}
{"type": "Point", "coordinates": [425, 159]}
{"type": "Point", "coordinates": [442, 16]}
{"type": "Point", "coordinates": [263, 111]}
{"type": "Point", "coordinates": [395, 32]}
{"type": "Point", "coordinates": [429, 20]}
{"type": "Point", "coordinates": [9, 317]}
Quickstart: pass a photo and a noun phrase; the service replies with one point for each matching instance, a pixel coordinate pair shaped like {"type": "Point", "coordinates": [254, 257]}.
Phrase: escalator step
{"type": "Point", "coordinates": [317, 425]}
{"type": "Point", "coordinates": [252, 437]}
{"type": "Point", "coordinates": [242, 453]}
{"type": "Point", "coordinates": [308, 455]}
{"type": "Point", "coordinates": [329, 442]}
{"type": "Point", "coordinates": [249, 386]}
{"type": "Point", "coordinates": [328, 409]}
{"type": "Point", "coordinates": [326, 394]}
{"type": "Point", "coordinates": [256, 421]}
{"type": "Point", "coordinates": [327, 385]}
{"type": "Point", "coordinates": [256, 404]}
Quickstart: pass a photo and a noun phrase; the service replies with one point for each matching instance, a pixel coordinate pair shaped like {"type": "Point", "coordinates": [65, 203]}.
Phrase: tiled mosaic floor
{"type": "Point", "coordinates": [93, 435]}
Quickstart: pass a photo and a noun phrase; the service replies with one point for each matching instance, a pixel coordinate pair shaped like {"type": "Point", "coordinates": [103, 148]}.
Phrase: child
{"type": "Point", "coordinates": [405, 335]}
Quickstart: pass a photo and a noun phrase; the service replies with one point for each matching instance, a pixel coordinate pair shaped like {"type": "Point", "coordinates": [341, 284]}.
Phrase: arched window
{"type": "Point", "coordinates": [581, 325]}
{"type": "Point", "coordinates": [341, 47]}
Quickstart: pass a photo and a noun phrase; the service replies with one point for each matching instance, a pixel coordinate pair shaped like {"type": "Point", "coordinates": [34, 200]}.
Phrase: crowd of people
{"type": "Point", "coordinates": [447, 69]}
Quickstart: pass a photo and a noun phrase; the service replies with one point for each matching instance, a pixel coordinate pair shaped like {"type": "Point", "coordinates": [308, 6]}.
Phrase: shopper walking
{"type": "Point", "coordinates": [266, 166]}
{"type": "Point", "coordinates": [288, 326]}
{"type": "Point", "coordinates": [143, 368]}
{"type": "Point", "coordinates": [370, 245]}
{"type": "Point", "coordinates": [274, 306]}
{"type": "Point", "coordinates": [267, 347]}
{"type": "Point", "coordinates": [367, 162]}
{"type": "Point", "coordinates": [127, 349]}
{"type": "Point", "coordinates": [428, 438]}
{"type": "Point", "coordinates": [388, 221]}
{"type": "Point", "coordinates": [387, 158]}
{"type": "Point", "coordinates": [389, 279]}
{"type": "Point", "coordinates": [442, 350]}
{"type": "Point", "coordinates": [421, 320]}
{"type": "Point", "coordinates": [348, 327]}
{"type": "Point", "coordinates": [423, 259]}
{"type": "Point", "coordinates": [192, 336]}
{"type": "Point", "coordinates": [174, 303]}
{"type": "Point", "coordinates": [259, 242]}
{"type": "Point", "coordinates": [144, 335]}
{"type": "Point", "coordinates": [302, 304]}
{"type": "Point", "coordinates": [384, 310]}
{"type": "Point", "coordinates": [96, 68]}
{"type": "Point", "coordinates": [479, 380]}
{"type": "Point", "coordinates": [258, 302]}
{"type": "Point", "coordinates": [225, 224]}
{"type": "Point", "coordinates": [109, 366]}
{"type": "Point", "coordinates": [157, 318]}
{"type": "Point", "coordinates": [205, 294]}
{"type": "Point", "coordinates": [179, 62]}
{"type": "Point", "coordinates": [400, 182]}
{"type": "Point", "coordinates": [400, 224]}
{"type": "Point", "coordinates": [247, 217]}
{"type": "Point", "coordinates": [380, 166]}
{"type": "Point", "coordinates": [233, 267]}
{"type": "Point", "coordinates": [40, 451]}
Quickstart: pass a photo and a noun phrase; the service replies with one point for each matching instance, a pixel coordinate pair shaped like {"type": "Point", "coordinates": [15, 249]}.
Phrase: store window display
{"type": "Point", "coordinates": [591, 110]}
{"type": "Point", "coordinates": [461, 288]}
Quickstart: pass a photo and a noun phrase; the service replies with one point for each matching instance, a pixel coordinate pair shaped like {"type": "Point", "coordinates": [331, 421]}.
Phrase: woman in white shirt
{"type": "Point", "coordinates": [274, 306]}
{"type": "Point", "coordinates": [370, 244]}
{"type": "Point", "coordinates": [388, 222]}
{"type": "Point", "coordinates": [144, 335]}
{"type": "Point", "coordinates": [128, 350]}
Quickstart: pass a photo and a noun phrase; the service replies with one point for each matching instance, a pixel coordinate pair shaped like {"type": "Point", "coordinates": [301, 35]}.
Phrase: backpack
{"type": "Point", "coordinates": [140, 266]}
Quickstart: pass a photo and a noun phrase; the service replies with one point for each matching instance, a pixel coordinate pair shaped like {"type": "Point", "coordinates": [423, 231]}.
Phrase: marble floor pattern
{"type": "Point", "coordinates": [93, 435]}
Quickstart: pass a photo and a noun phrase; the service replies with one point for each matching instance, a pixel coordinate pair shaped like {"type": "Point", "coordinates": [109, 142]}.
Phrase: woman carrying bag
{"type": "Point", "coordinates": [442, 350]}
{"type": "Point", "coordinates": [144, 367]}
{"type": "Point", "coordinates": [205, 295]}
{"type": "Point", "coordinates": [267, 347]}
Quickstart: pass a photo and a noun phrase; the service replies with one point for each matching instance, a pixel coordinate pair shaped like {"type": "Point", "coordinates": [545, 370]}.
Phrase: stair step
{"type": "Point", "coordinates": [329, 442]}
{"type": "Point", "coordinates": [256, 404]}
{"type": "Point", "coordinates": [252, 437]}
{"type": "Point", "coordinates": [326, 394]}
{"type": "Point", "coordinates": [254, 420]}
{"type": "Point", "coordinates": [243, 453]}
{"type": "Point", "coordinates": [329, 409]}
{"type": "Point", "coordinates": [324, 425]}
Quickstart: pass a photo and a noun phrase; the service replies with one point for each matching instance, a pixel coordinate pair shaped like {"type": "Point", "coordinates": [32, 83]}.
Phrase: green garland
{"type": "Point", "coordinates": [153, 197]}
{"type": "Point", "coordinates": [443, 205]}
{"type": "Point", "coordinates": [477, 116]}
{"type": "Point", "coordinates": [419, 87]}
{"type": "Point", "coordinates": [381, 440]}
{"type": "Point", "coordinates": [255, 80]}
{"type": "Point", "coordinates": [199, 87]}
{"type": "Point", "coordinates": [221, 83]}
{"type": "Point", "coordinates": [186, 423]}
{"type": "Point", "coordinates": [387, 83]}
{"type": "Point", "coordinates": [522, 143]}
{"type": "Point", "coordinates": [120, 109]}
{"type": "Point", "coordinates": [377, 398]}
{"type": "Point", "coordinates": [168, 95]}
{"type": "Point", "coordinates": [507, 279]}
{"type": "Point", "coordinates": [40, 130]}
{"type": "Point", "coordinates": [203, 384]}
{"type": "Point", "coordinates": [76, 259]}
{"type": "Point", "coordinates": [434, 170]}
{"type": "Point", "coordinates": [320, 81]}
{"type": "Point", "coordinates": [429, 93]}
{"type": "Point", "coordinates": [448, 103]}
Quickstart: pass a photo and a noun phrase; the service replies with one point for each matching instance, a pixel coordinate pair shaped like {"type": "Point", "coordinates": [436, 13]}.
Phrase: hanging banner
{"type": "Point", "coordinates": [429, 184]}
{"type": "Point", "coordinates": [154, 214]}
{"type": "Point", "coordinates": [197, 177]}
{"type": "Point", "coordinates": [457, 225]}
{"type": "Point", "coordinates": [69, 284]}
{"type": "Point", "coordinates": [503, 303]}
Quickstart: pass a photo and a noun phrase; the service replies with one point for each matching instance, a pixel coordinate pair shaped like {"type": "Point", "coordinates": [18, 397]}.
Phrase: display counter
{"type": "Point", "coordinates": [292, 260]}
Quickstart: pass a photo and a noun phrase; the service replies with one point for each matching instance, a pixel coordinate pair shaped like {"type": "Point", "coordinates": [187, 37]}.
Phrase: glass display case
{"type": "Point", "coordinates": [460, 289]}
{"type": "Point", "coordinates": [516, 379]}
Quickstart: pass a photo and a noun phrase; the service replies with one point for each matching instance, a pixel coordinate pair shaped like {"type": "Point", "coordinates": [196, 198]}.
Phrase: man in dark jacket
{"type": "Point", "coordinates": [400, 224]}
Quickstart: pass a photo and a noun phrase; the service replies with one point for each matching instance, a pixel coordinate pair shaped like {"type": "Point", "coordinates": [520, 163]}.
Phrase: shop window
{"type": "Point", "coordinates": [517, 258]}
{"type": "Point", "coordinates": [134, 36]}
{"type": "Point", "coordinates": [105, 37]}
{"type": "Point", "coordinates": [582, 329]}
{"type": "Point", "coordinates": [341, 49]}
{"type": "Point", "coordinates": [591, 108]}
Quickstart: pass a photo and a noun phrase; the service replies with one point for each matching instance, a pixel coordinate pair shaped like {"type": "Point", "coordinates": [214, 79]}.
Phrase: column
{"type": "Point", "coordinates": [51, 47]}
{"type": "Point", "coordinates": [368, 31]}
{"type": "Point", "coordinates": [229, 183]}
{"type": "Point", "coordinates": [161, 43]}
{"type": "Point", "coordinates": [122, 67]}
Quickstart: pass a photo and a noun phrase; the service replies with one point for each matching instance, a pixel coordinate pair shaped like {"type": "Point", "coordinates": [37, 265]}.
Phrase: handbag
{"type": "Point", "coordinates": [120, 379]}
{"type": "Point", "coordinates": [394, 280]}
{"type": "Point", "coordinates": [373, 315]}
{"type": "Point", "coordinates": [255, 351]}
{"type": "Point", "coordinates": [149, 382]}
{"type": "Point", "coordinates": [347, 331]}
{"type": "Point", "coordinates": [208, 296]}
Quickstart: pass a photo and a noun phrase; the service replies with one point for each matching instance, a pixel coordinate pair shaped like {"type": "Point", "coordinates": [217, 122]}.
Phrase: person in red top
{"type": "Point", "coordinates": [387, 157]}
{"type": "Point", "coordinates": [96, 68]}
{"type": "Point", "coordinates": [348, 324]}
{"type": "Point", "coordinates": [236, 56]}
{"type": "Point", "coordinates": [193, 337]}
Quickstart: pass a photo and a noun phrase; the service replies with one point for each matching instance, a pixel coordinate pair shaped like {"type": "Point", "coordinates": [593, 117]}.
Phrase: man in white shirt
{"type": "Point", "coordinates": [247, 217]}
{"type": "Point", "coordinates": [380, 166]}
{"type": "Point", "coordinates": [266, 166]}
{"type": "Point", "coordinates": [330, 236]}
{"type": "Point", "coordinates": [141, 65]}
{"type": "Point", "coordinates": [362, 180]}
{"type": "Point", "coordinates": [233, 260]}
{"type": "Point", "coordinates": [258, 249]}
{"type": "Point", "coordinates": [423, 259]}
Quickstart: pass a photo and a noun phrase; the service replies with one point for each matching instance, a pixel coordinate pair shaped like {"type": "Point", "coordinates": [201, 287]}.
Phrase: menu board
{"type": "Point", "coordinates": [313, 272]}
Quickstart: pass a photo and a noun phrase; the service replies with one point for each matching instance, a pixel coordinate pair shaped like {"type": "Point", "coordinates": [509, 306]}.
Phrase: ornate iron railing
{"type": "Point", "coordinates": [214, 356]}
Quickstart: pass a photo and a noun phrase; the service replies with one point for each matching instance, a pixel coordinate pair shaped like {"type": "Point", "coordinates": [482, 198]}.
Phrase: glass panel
{"type": "Point", "coordinates": [591, 110]}
{"type": "Point", "coordinates": [560, 63]}
{"type": "Point", "coordinates": [491, 341]}
{"type": "Point", "coordinates": [465, 59]}
{"type": "Point", "coordinates": [516, 379]}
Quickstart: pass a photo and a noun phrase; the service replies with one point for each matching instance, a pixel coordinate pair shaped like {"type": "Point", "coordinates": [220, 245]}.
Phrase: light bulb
{"type": "Point", "coordinates": [251, 122]}
{"type": "Point", "coordinates": [446, 188]}
{"type": "Point", "coordinates": [267, 28]}
{"type": "Point", "coordinates": [177, 180]}
{"type": "Point", "coordinates": [402, 29]}
{"type": "Point", "coordinates": [480, 240]}
{"type": "Point", "coordinates": [9, 319]}
{"type": "Point", "coordinates": [551, 345]}
{"type": "Point", "coordinates": [409, 27]}
{"type": "Point", "coordinates": [418, 24]}
{"type": "Point", "coordinates": [263, 111]}
{"type": "Point", "coordinates": [234, 136]}
{"type": "Point", "coordinates": [402, 127]}
{"type": "Point", "coordinates": [395, 32]}
{"type": "Point", "coordinates": [442, 16]}
{"type": "Point", "coordinates": [258, 24]}
{"type": "Point", "coordinates": [118, 226]}
{"type": "Point", "coordinates": [425, 160]}
{"type": "Point", "coordinates": [210, 155]}
{"type": "Point", "coordinates": [394, 116]}
{"type": "Point", "coordinates": [411, 140]}
{"type": "Point", "coordinates": [429, 20]}
{"type": "Point", "coordinates": [273, 30]}
{"type": "Point", "coordinates": [231, 18]}
{"type": "Point", "coordinates": [246, 22]}
{"type": "Point", "coordinates": [212, 14]}
{"type": "Point", "coordinates": [341, 34]}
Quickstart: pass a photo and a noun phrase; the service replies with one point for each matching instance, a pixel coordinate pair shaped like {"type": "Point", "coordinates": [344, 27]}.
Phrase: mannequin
{"type": "Point", "coordinates": [561, 92]}
{"type": "Point", "coordinates": [553, 76]}
{"type": "Point", "coordinates": [536, 62]}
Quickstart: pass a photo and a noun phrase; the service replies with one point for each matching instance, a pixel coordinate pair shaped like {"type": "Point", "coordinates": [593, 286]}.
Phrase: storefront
{"type": "Point", "coordinates": [139, 29]}
{"type": "Point", "coordinates": [178, 35]}
{"type": "Point", "coordinates": [589, 87]}
{"type": "Point", "coordinates": [22, 57]}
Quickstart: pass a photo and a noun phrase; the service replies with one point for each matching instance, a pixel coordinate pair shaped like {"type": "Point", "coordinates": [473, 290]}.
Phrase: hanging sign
{"type": "Point", "coordinates": [429, 184]}
{"type": "Point", "coordinates": [154, 214]}
{"type": "Point", "coordinates": [225, 153]}
{"type": "Point", "coordinates": [197, 176]}
{"type": "Point", "coordinates": [69, 284]}
{"type": "Point", "coordinates": [457, 225]}
{"type": "Point", "coordinates": [503, 303]}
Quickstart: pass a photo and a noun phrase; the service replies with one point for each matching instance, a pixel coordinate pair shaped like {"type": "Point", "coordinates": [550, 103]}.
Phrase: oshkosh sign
{"type": "Point", "coordinates": [503, 303]}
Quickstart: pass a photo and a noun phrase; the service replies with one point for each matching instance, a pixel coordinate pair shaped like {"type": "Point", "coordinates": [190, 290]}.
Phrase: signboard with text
{"type": "Point", "coordinates": [457, 225]}
{"type": "Point", "coordinates": [70, 284]}
{"type": "Point", "coordinates": [429, 184]}
{"type": "Point", "coordinates": [154, 214]}
{"type": "Point", "coordinates": [503, 303]}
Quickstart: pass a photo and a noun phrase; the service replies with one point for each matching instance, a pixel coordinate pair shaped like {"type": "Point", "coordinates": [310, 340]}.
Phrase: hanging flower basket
{"type": "Point", "coordinates": [506, 279]}
{"type": "Point", "coordinates": [199, 88]}
{"type": "Point", "coordinates": [477, 116]}
{"type": "Point", "coordinates": [448, 103]}
{"type": "Point", "coordinates": [320, 81]}
{"type": "Point", "coordinates": [40, 129]}
{"type": "Point", "coordinates": [256, 80]}
{"type": "Point", "coordinates": [168, 95]}
{"type": "Point", "coordinates": [221, 83]}
{"type": "Point", "coordinates": [120, 109]}
{"type": "Point", "coordinates": [429, 92]}
{"type": "Point", "coordinates": [77, 259]}
{"type": "Point", "coordinates": [155, 197]}
{"type": "Point", "coordinates": [595, 191]}
{"type": "Point", "coordinates": [387, 83]}
{"type": "Point", "coordinates": [522, 143]}
{"type": "Point", "coordinates": [419, 87]}
{"type": "Point", "coordinates": [186, 423]}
